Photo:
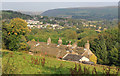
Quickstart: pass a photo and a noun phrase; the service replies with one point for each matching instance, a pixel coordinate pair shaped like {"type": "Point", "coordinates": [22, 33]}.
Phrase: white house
{"type": "Point", "coordinates": [84, 59]}
{"type": "Point", "coordinates": [74, 57]}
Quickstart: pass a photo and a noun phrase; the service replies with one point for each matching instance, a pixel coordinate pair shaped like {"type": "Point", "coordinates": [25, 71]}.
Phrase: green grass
{"type": "Point", "coordinates": [21, 63]}
{"type": "Point", "coordinates": [0, 65]}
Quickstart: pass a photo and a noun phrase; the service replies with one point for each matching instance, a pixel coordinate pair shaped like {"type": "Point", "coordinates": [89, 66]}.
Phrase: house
{"type": "Point", "coordinates": [32, 22]}
{"type": "Point", "coordinates": [51, 50]}
{"type": "Point", "coordinates": [81, 54]}
{"type": "Point", "coordinates": [84, 59]}
{"type": "Point", "coordinates": [74, 57]}
{"type": "Point", "coordinates": [31, 26]}
{"type": "Point", "coordinates": [91, 25]}
{"type": "Point", "coordinates": [55, 25]}
{"type": "Point", "coordinates": [72, 53]}
{"type": "Point", "coordinates": [38, 26]}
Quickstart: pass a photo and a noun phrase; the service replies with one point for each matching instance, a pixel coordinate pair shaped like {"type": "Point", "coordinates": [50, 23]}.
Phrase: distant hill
{"type": "Point", "coordinates": [31, 12]}
{"type": "Point", "coordinates": [89, 13]}
{"type": "Point", "coordinates": [9, 14]}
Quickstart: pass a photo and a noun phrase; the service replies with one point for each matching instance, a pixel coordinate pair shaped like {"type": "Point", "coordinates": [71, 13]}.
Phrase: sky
{"type": "Point", "coordinates": [59, 0]}
{"type": "Point", "coordinates": [43, 5]}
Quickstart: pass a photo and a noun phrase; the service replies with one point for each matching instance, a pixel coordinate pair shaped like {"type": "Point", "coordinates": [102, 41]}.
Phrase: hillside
{"type": "Point", "coordinates": [89, 13]}
{"type": "Point", "coordinates": [8, 14]}
{"type": "Point", "coordinates": [31, 12]}
{"type": "Point", "coordinates": [23, 63]}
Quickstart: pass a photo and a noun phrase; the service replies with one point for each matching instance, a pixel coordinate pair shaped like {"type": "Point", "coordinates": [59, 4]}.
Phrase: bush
{"type": "Point", "coordinates": [93, 58]}
{"type": "Point", "coordinates": [33, 40]}
{"type": "Point", "coordinates": [24, 46]}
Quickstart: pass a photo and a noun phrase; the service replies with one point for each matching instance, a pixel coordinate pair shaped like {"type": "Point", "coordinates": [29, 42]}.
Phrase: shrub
{"type": "Point", "coordinates": [77, 70]}
{"type": "Point", "coordinates": [93, 58]}
{"type": "Point", "coordinates": [33, 40]}
{"type": "Point", "coordinates": [23, 46]}
{"type": "Point", "coordinates": [43, 62]}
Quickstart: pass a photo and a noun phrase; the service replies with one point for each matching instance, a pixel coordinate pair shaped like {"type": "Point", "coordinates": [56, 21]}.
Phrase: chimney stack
{"type": "Point", "coordinates": [49, 41]}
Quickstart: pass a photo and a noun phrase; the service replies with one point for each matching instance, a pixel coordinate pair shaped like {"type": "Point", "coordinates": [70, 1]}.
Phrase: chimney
{"type": "Point", "coordinates": [87, 45]}
{"type": "Point", "coordinates": [59, 41]}
{"type": "Point", "coordinates": [49, 41]}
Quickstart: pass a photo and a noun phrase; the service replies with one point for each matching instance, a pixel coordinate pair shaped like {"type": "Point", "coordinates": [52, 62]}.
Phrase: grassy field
{"type": "Point", "coordinates": [22, 63]}
{"type": "Point", "coordinates": [0, 65]}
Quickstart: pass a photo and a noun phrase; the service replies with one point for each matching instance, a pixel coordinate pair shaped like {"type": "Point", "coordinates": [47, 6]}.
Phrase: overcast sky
{"type": "Point", "coordinates": [59, 0]}
{"type": "Point", "coordinates": [43, 6]}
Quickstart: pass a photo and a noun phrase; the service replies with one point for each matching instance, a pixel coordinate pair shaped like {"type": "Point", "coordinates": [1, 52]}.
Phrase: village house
{"type": "Point", "coordinates": [65, 52]}
{"type": "Point", "coordinates": [38, 24]}
{"type": "Point", "coordinates": [91, 25]}
{"type": "Point", "coordinates": [31, 26]}
{"type": "Point", "coordinates": [74, 57]}
{"type": "Point", "coordinates": [32, 22]}
{"type": "Point", "coordinates": [81, 56]}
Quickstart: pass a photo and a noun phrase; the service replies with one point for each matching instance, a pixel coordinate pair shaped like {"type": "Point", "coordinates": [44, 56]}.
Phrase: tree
{"type": "Point", "coordinates": [114, 56]}
{"type": "Point", "coordinates": [103, 50]}
{"type": "Point", "coordinates": [5, 35]}
{"type": "Point", "coordinates": [15, 32]}
{"type": "Point", "coordinates": [69, 34]}
{"type": "Point", "coordinates": [106, 46]}
{"type": "Point", "coordinates": [18, 27]}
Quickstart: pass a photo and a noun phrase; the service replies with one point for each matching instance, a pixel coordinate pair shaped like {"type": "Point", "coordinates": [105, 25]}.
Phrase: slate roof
{"type": "Point", "coordinates": [87, 53]}
{"type": "Point", "coordinates": [51, 49]}
{"type": "Point", "coordinates": [79, 50]}
{"type": "Point", "coordinates": [72, 57]}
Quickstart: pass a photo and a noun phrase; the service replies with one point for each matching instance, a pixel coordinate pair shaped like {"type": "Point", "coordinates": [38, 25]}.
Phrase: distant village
{"type": "Point", "coordinates": [34, 23]}
{"type": "Point", "coordinates": [40, 25]}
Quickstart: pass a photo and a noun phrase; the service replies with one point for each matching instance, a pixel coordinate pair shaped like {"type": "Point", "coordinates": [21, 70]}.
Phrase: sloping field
{"type": "Point", "coordinates": [21, 63]}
